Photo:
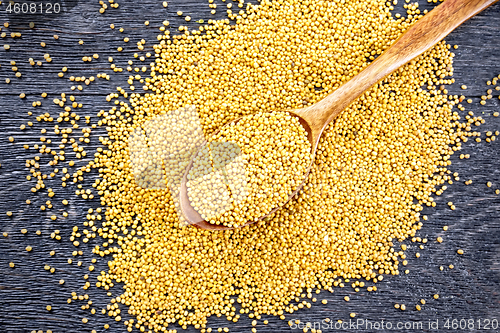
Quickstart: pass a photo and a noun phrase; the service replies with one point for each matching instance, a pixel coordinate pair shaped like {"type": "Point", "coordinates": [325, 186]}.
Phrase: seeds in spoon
{"type": "Point", "coordinates": [248, 168]}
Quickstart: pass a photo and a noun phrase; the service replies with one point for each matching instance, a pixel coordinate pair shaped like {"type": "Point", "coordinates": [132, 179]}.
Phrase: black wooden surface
{"type": "Point", "coordinates": [469, 291]}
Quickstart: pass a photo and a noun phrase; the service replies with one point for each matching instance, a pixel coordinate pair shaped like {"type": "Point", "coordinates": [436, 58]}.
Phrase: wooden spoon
{"type": "Point", "coordinates": [420, 37]}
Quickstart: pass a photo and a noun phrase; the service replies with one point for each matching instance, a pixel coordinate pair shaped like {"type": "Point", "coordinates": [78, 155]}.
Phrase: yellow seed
{"type": "Point", "coordinates": [460, 251]}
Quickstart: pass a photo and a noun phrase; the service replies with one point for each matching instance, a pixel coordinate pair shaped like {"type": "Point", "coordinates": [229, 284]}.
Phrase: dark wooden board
{"type": "Point", "coordinates": [470, 291]}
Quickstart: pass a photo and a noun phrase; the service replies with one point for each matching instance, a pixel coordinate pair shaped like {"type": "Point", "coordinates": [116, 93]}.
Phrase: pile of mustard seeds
{"type": "Point", "coordinates": [383, 159]}
{"type": "Point", "coordinates": [387, 149]}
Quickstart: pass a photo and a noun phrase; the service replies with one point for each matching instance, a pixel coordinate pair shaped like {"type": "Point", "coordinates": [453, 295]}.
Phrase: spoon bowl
{"type": "Point", "coordinates": [193, 217]}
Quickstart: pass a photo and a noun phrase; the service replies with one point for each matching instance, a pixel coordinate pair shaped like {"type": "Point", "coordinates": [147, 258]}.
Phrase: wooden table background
{"type": "Point", "coordinates": [469, 291]}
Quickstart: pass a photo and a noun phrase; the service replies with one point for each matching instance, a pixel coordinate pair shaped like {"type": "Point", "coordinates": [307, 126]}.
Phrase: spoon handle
{"type": "Point", "coordinates": [420, 37]}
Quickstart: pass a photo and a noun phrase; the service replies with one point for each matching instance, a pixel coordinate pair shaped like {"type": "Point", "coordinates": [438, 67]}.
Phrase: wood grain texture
{"type": "Point", "coordinates": [470, 290]}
